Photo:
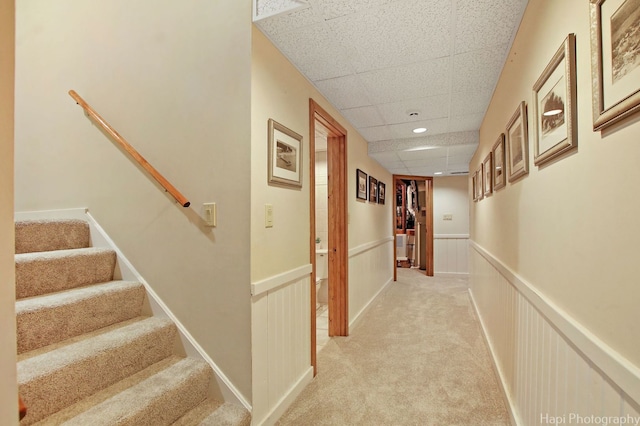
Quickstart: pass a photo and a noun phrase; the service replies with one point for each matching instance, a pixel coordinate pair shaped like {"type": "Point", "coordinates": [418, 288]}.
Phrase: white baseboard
{"type": "Point", "coordinates": [494, 356]}
{"type": "Point", "coordinates": [285, 402]}
{"type": "Point", "coordinates": [366, 307]}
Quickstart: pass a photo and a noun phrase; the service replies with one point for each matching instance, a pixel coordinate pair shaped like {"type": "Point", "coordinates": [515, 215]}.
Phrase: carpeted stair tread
{"type": "Point", "coordinates": [59, 375]}
{"type": "Point", "coordinates": [214, 413]}
{"type": "Point", "coordinates": [52, 271]}
{"type": "Point", "coordinates": [85, 404]}
{"type": "Point", "coordinates": [51, 234]}
{"type": "Point", "coordinates": [159, 400]}
{"type": "Point", "coordinates": [52, 318]}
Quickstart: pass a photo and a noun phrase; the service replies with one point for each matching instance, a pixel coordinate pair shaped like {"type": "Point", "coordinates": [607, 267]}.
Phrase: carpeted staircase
{"type": "Point", "coordinates": [86, 353]}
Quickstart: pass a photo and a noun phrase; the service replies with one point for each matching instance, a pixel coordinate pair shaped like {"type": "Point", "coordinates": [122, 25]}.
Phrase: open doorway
{"type": "Point", "coordinates": [413, 223]}
{"type": "Point", "coordinates": [335, 248]}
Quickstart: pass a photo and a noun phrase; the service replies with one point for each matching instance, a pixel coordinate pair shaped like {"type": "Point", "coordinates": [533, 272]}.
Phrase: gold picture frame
{"type": "Point", "coordinates": [517, 141]}
{"type": "Point", "coordinates": [285, 156]}
{"type": "Point", "coordinates": [499, 165]}
{"type": "Point", "coordinates": [554, 105]}
{"type": "Point", "coordinates": [487, 175]}
{"type": "Point", "coordinates": [615, 62]}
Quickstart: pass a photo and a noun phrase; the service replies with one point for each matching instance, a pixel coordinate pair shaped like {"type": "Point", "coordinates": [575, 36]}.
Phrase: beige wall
{"type": "Point", "coordinates": [280, 92]}
{"type": "Point", "coordinates": [8, 388]}
{"type": "Point", "coordinates": [174, 79]}
{"type": "Point", "coordinates": [569, 229]}
{"type": "Point", "coordinates": [451, 197]}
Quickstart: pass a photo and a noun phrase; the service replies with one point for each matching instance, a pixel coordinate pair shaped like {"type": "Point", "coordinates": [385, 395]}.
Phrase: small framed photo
{"type": "Point", "coordinates": [487, 175]}
{"type": "Point", "coordinates": [479, 184]}
{"type": "Point", "coordinates": [373, 189]}
{"type": "Point", "coordinates": [498, 174]}
{"type": "Point", "coordinates": [285, 156]}
{"type": "Point", "coordinates": [381, 189]}
{"type": "Point", "coordinates": [517, 141]}
{"type": "Point", "coordinates": [615, 60]}
{"type": "Point", "coordinates": [554, 105]}
{"type": "Point", "coordinates": [361, 185]}
{"type": "Point", "coordinates": [474, 186]}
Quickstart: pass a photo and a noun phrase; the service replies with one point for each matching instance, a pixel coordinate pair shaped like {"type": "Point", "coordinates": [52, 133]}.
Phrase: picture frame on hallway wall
{"type": "Point", "coordinates": [554, 105]}
{"type": "Point", "coordinates": [498, 175]}
{"type": "Point", "coordinates": [517, 141]}
{"type": "Point", "coordinates": [373, 189]}
{"type": "Point", "coordinates": [285, 156]}
{"type": "Point", "coordinates": [381, 191]}
{"type": "Point", "coordinates": [479, 185]}
{"type": "Point", "coordinates": [361, 185]}
{"type": "Point", "coordinates": [487, 175]}
{"type": "Point", "coordinates": [615, 60]}
{"type": "Point", "coordinates": [474, 186]}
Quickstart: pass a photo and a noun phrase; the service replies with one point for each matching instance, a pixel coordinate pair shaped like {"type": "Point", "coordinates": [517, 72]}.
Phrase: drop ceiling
{"type": "Point", "coordinates": [382, 61]}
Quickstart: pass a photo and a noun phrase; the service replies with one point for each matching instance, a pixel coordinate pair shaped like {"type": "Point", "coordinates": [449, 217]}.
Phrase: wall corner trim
{"type": "Point", "coordinates": [619, 369]}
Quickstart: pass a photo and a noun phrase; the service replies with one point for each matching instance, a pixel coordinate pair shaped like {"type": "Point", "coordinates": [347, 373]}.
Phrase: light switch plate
{"type": "Point", "coordinates": [268, 216]}
{"type": "Point", "coordinates": [210, 214]}
{"type": "Point", "coordinates": [447, 217]}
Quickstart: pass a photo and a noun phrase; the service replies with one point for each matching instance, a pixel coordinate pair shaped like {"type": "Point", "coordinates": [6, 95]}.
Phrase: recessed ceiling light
{"type": "Point", "coordinates": [420, 130]}
{"type": "Point", "coordinates": [437, 173]}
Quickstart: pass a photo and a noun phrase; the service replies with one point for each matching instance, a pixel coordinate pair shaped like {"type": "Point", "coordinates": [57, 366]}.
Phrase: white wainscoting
{"type": "Point", "coordinates": [370, 270]}
{"type": "Point", "coordinates": [552, 369]}
{"type": "Point", "coordinates": [451, 254]}
{"type": "Point", "coordinates": [281, 342]}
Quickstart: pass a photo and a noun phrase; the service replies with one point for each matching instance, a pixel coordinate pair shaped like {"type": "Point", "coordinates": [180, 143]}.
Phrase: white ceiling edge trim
{"type": "Point", "coordinates": [277, 7]}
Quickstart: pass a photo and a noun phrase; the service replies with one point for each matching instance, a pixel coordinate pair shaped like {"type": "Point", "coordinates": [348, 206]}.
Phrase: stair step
{"type": "Point", "coordinates": [56, 376]}
{"type": "Point", "coordinates": [49, 235]}
{"type": "Point", "coordinates": [214, 413]}
{"type": "Point", "coordinates": [159, 400]}
{"type": "Point", "coordinates": [44, 320]}
{"type": "Point", "coordinates": [52, 271]}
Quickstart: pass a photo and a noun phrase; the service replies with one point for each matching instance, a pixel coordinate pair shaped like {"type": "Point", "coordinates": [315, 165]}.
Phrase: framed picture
{"type": "Point", "coordinates": [479, 185]}
{"type": "Point", "coordinates": [361, 185]}
{"type": "Point", "coordinates": [373, 189]}
{"type": "Point", "coordinates": [487, 175]}
{"type": "Point", "coordinates": [285, 156]}
{"type": "Point", "coordinates": [381, 188]}
{"type": "Point", "coordinates": [474, 186]}
{"type": "Point", "coordinates": [554, 105]}
{"type": "Point", "coordinates": [517, 141]}
{"type": "Point", "coordinates": [615, 60]}
{"type": "Point", "coordinates": [498, 175]}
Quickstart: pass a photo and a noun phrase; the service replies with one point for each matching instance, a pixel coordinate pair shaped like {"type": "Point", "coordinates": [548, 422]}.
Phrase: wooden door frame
{"type": "Point", "coordinates": [338, 249]}
{"type": "Point", "coordinates": [429, 219]}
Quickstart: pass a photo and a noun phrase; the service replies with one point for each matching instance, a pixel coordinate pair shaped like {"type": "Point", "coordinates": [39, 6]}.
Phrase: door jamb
{"type": "Point", "coordinates": [338, 249]}
{"type": "Point", "coordinates": [429, 219]}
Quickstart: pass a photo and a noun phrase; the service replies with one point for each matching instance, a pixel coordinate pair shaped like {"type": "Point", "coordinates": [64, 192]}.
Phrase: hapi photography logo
{"type": "Point", "coordinates": [577, 419]}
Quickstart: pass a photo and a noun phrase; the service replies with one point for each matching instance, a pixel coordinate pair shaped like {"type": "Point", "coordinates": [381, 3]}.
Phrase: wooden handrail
{"type": "Point", "coordinates": [131, 150]}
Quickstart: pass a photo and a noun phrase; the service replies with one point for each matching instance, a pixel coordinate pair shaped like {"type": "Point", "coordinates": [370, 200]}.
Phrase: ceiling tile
{"type": "Point", "coordinates": [428, 108]}
{"type": "Point", "coordinates": [289, 21]}
{"type": "Point", "coordinates": [273, 7]}
{"type": "Point", "coordinates": [314, 51]}
{"type": "Point", "coordinates": [405, 130]}
{"type": "Point", "coordinates": [478, 70]}
{"type": "Point", "coordinates": [331, 9]}
{"type": "Point", "coordinates": [466, 122]}
{"type": "Point", "coordinates": [472, 102]}
{"type": "Point", "coordinates": [363, 116]}
{"type": "Point", "coordinates": [465, 151]}
{"type": "Point", "coordinates": [428, 162]}
{"type": "Point", "coordinates": [400, 83]}
{"type": "Point", "coordinates": [344, 92]}
{"type": "Point", "coordinates": [378, 133]}
{"type": "Point", "coordinates": [391, 156]}
{"type": "Point", "coordinates": [395, 33]}
{"type": "Point", "coordinates": [484, 23]}
{"type": "Point", "coordinates": [423, 154]}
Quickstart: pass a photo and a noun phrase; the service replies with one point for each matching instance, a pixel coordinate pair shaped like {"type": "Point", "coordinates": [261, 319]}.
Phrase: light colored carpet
{"type": "Point", "coordinates": [416, 358]}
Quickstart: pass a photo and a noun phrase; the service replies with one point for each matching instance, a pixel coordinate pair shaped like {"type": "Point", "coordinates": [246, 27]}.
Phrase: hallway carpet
{"type": "Point", "coordinates": [416, 358]}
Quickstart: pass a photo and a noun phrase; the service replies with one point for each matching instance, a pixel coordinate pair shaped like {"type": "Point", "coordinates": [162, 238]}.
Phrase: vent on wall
{"type": "Point", "coordinates": [459, 173]}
